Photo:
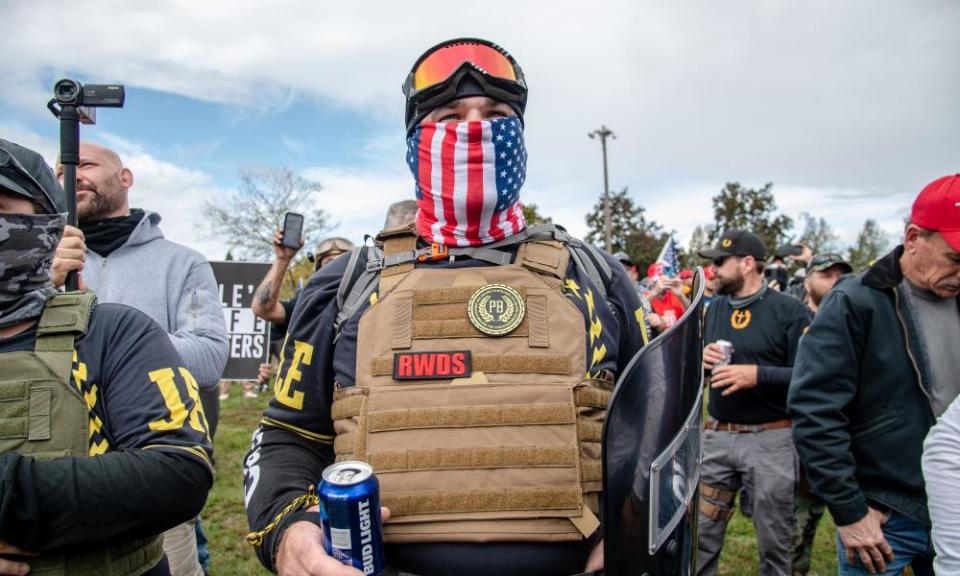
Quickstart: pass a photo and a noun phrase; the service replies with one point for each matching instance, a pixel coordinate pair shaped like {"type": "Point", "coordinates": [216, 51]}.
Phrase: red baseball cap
{"type": "Point", "coordinates": [937, 208]}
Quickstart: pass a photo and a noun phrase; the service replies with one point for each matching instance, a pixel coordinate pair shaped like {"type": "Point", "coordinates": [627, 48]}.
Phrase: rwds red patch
{"type": "Point", "coordinates": [431, 365]}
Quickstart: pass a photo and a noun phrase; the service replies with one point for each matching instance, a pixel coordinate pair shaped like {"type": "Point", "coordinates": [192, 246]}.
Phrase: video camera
{"type": "Point", "coordinates": [86, 98]}
{"type": "Point", "coordinates": [74, 104]}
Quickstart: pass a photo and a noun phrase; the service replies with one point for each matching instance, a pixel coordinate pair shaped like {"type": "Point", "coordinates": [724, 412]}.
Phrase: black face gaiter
{"type": "Point", "coordinates": [105, 236]}
{"type": "Point", "coordinates": [27, 244]}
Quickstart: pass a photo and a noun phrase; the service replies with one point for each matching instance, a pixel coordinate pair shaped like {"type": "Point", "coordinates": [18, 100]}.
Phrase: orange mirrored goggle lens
{"type": "Point", "coordinates": [439, 65]}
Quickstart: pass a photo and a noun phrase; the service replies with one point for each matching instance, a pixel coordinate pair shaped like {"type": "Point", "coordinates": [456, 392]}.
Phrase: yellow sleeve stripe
{"type": "Point", "coordinates": [195, 450]}
{"type": "Point", "coordinates": [322, 438]}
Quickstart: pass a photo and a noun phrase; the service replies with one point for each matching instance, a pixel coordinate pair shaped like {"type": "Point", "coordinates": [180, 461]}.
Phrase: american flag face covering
{"type": "Point", "coordinates": [468, 178]}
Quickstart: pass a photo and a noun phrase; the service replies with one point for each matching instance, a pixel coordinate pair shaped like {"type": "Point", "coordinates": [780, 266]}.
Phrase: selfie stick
{"type": "Point", "coordinates": [74, 103]}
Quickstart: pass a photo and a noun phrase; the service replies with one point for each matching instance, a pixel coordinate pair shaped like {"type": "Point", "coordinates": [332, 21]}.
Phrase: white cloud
{"type": "Point", "coordinates": [175, 192]}
{"type": "Point", "coordinates": [357, 201]}
{"type": "Point", "coordinates": [824, 99]}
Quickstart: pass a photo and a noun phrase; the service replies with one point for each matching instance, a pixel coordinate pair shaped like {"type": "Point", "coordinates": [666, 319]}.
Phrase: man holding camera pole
{"type": "Point", "coordinates": [112, 251]}
{"type": "Point", "coordinates": [753, 333]}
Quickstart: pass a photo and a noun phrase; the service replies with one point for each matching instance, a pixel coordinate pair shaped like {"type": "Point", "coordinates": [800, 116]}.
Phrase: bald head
{"type": "Point", "coordinates": [102, 184]}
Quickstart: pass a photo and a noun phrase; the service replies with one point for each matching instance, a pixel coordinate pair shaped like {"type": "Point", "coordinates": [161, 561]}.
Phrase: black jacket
{"type": "Point", "coordinates": [860, 398]}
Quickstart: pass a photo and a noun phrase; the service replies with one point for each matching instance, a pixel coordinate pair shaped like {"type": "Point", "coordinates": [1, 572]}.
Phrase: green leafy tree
{"type": "Point", "coordinates": [630, 230]}
{"type": "Point", "coordinates": [229, 256]}
{"type": "Point", "coordinates": [753, 209]}
{"type": "Point", "coordinates": [817, 234]}
{"type": "Point", "coordinates": [532, 215]}
{"type": "Point", "coordinates": [872, 243]}
{"type": "Point", "coordinates": [699, 240]}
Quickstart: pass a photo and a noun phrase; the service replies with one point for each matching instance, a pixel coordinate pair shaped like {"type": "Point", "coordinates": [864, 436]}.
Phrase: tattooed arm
{"type": "Point", "coordinates": [266, 301]}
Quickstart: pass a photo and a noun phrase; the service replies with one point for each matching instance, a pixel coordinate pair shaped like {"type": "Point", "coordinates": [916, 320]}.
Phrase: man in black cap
{"type": "Point", "coordinates": [747, 443]}
{"type": "Point", "coordinates": [510, 336]}
{"type": "Point", "coordinates": [104, 442]}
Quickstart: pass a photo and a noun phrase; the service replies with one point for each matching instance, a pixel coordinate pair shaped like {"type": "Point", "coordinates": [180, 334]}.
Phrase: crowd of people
{"type": "Point", "coordinates": [828, 389]}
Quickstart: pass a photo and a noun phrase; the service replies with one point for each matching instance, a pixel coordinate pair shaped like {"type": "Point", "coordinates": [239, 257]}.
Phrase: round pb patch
{"type": "Point", "coordinates": [496, 309]}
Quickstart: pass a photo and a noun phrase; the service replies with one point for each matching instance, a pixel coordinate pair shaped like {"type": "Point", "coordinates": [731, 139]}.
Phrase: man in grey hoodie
{"type": "Point", "coordinates": [122, 256]}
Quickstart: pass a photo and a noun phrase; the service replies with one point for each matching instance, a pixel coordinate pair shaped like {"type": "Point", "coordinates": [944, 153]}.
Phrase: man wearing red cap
{"type": "Point", "coordinates": [876, 368]}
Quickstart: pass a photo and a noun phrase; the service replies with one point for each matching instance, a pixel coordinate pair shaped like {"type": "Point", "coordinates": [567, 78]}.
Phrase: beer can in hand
{"type": "Point", "coordinates": [350, 509]}
{"type": "Point", "coordinates": [727, 349]}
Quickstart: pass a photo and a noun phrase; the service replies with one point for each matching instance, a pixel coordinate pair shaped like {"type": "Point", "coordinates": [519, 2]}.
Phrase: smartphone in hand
{"type": "Point", "coordinates": [292, 230]}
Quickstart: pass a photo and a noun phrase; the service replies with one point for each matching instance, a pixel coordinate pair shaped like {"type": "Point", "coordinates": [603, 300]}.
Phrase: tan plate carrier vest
{"type": "Point", "coordinates": [511, 453]}
{"type": "Point", "coordinates": [44, 416]}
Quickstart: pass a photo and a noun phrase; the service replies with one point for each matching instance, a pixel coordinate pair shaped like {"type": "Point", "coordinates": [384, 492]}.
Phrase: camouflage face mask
{"type": "Point", "coordinates": [27, 243]}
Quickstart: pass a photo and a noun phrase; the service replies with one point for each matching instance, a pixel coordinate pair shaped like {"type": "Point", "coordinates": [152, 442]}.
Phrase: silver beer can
{"type": "Point", "coordinates": [727, 348]}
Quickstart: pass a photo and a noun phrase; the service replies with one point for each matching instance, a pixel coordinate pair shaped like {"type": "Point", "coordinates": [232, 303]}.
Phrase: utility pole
{"type": "Point", "coordinates": [603, 133]}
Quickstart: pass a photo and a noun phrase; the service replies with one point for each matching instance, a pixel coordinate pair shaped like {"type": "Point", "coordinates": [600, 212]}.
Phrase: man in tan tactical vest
{"type": "Point", "coordinates": [467, 357]}
{"type": "Point", "coordinates": [103, 442]}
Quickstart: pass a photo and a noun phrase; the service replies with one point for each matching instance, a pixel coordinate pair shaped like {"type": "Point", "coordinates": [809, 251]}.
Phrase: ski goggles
{"type": "Point", "coordinates": [435, 76]}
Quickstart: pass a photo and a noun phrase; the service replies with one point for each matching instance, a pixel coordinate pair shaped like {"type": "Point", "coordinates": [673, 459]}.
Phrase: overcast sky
{"type": "Point", "coordinates": [849, 108]}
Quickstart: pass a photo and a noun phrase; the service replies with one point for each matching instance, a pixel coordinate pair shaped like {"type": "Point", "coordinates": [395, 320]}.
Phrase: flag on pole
{"type": "Point", "coordinates": [667, 260]}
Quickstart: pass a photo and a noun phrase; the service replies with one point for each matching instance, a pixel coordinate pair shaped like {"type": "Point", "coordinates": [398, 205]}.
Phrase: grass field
{"type": "Point", "coordinates": [226, 523]}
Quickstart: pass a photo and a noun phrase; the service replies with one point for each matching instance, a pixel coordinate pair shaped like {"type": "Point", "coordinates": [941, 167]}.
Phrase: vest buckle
{"type": "Point", "coordinates": [437, 252]}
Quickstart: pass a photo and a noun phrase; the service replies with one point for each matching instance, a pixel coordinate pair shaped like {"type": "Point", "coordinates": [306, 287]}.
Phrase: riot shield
{"type": "Point", "coordinates": [652, 454]}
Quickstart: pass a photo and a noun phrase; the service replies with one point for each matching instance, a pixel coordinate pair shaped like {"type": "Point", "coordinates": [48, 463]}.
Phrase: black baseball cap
{"type": "Point", "coordinates": [25, 173]}
{"type": "Point", "coordinates": [736, 243]}
{"type": "Point", "coordinates": [624, 258]}
{"type": "Point", "coordinates": [821, 262]}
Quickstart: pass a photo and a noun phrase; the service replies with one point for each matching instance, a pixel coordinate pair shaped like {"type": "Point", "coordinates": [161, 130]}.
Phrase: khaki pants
{"type": "Point", "coordinates": [763, 464]}
{"type": "Point", "coordinates": [180, 546]}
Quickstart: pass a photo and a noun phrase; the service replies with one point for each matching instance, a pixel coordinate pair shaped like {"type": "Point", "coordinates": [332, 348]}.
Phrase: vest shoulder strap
{"type": "Point", "coordinates": [540, 249]}
{"type": "Point", "coordinates": [67, 313]}
{"type": "Point", "coordinates": [65, 318]}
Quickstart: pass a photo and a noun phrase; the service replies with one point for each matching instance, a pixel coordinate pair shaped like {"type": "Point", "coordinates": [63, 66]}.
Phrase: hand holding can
{"type": "Point", "coordinates": [350, 509]}
{"type": "Point", "coordinates": [726, 349]}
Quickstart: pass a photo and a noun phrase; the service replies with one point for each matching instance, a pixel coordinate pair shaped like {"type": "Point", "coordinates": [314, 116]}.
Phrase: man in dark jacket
{"type": "Point", "coordinates": [875, 369]}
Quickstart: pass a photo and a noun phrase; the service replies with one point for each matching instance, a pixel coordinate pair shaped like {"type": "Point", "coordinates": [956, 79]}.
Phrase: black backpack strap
{"type": "Point", "coordinates": [358, 283]}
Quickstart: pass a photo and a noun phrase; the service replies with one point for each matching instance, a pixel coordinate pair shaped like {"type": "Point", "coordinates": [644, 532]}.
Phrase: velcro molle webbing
{"type": "Point", "coordinates": [430, 329]}
{"type": "Point", "coordinates": [13, 391]}
{"type": "Point", "coordinates": [13, 428]}
{"type": "Point", "coordinates": [347, 407]}
{"type": "Point", "coordinates": [589, 431]}
{"type": "Point", "coordinates": [345, 443]}
{"type": "Point", "coordinates": [482, 500]}
{"type": "Point", "coordinates": [465, 416]}
{"type": "Point", "coordinates": [496, 364]}
{"type": "Point", "coordinates": [41, 404]}
{"type": "Point", "coordinates": [591, 470]}
{"type": "Point", "coordinates": [589, 397]}
{"type": "Point", "coordinates": [402, 323]}
{"type": "Point", "coordinates": [68, 312]}
{"type": "Point", "coordinates": [545, 257]}
{"type": "Point", "coordinates": [472, 458]}
{"type": "Point", "coordinates": [537, 319]}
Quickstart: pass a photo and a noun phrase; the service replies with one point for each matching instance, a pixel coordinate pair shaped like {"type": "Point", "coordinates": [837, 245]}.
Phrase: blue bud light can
{"type": "Point", "coordinates": [350, 510]}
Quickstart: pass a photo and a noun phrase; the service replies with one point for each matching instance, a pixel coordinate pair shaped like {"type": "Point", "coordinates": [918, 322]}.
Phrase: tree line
{"type": "Point", "coordinates": [734, 207]}
{"type": "Point", "coordinates": [247, 220]}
